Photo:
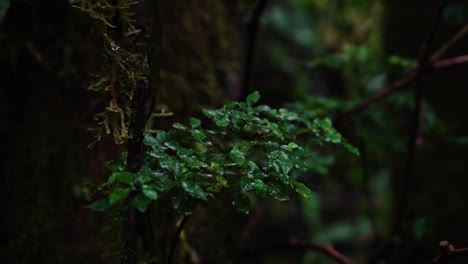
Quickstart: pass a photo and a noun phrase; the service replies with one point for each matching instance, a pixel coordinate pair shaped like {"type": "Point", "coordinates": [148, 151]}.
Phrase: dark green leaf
{"type": "Point", "coordinates": [114, 167]}
{"type": "Point", "coordinates": [140, 202]}
{"type": "Point", "coordinates": [194, 122]}
{"type": "Point", "coordinates": [237, 156]}
{"type": "Point", "coordinates": [118, 194]}
{"type": "Point", "coordinates": [150, 141]}
{"type": "Point", "coordinates": [179, 126]}
{"type": "Point", "coordinates": [241, 203]}
{"type": "Point", "coordinates": [260, 187]}
{"type": "Point", "coordinates": [198, 135]}
{"type": "Point", "coordinates": [253, 98]}
{"type": "Point", "coordinates": [246, 184]}
{"type": "Point", "coordinates": [278, 191]}
{"type": "Point", "coordinates": [302, 189]}
{"type": "Point", "coordinates": [292, 146]}
{"type": "Point", "coordinates": [222, 181]}
{"type": "Point", "coordinates": [122, 177]}
{"type": "Point", "coordinates": [149, 192]}
{"type": "Point", "coordinates": [194, 189]}
{"type": "Point", "coordinates": [196, 164]}
{"type": "Point", "coordinates": [100, 205]}
{"type": "Point", "coordinates": [351, 148]}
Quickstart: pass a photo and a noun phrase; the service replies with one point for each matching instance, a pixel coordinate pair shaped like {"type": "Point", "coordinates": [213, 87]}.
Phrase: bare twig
{"type": "Point", "coordinates": [328, 249]}
{"type": "Point", "coordinates": [382, 94]}
{"type": "Point", "coordinates": [412, 73]}
{"type": "Point", "coordinates": [448, 251]}
{"type": "Point", "coordinates": [295, 243]}
{"type": "Point", "coordinates": [415, 119]}
{"type": "Point", "coordinates": [442, 50]}
{"type": "Point", "coordinates": [451, 62]}
{"type": "Point", "coordinates": [253, 221]}
{"type": "Point", "coordinates": [252, 23]}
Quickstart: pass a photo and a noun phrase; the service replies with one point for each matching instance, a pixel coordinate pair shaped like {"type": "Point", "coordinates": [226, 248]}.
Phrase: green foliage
{"type": "Point", "coordinates": [245, 149]}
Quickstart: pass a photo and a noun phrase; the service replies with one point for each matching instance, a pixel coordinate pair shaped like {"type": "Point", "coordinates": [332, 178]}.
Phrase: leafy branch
{"type": "Point", "coordinates": [247, 149]}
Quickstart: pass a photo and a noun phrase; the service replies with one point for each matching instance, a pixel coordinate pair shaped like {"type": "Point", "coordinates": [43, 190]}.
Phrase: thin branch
{"type": "Point", "coordinates": [382, 94]}
{"type": "Point", "coordinates": [366, 188]}
{"type": "Point", "coordinates": [252, 24]}
{"type": "Point", "coordinates": [442, 50]}
{"type": "Point", "coordinates": [451, 62]}
{"type": "Point", "coordinates": [328, 249]}
{"type": "Point", "coordinates": [253, 221]}
{"type": "Point", "coordinates": [412, 73]}
{"type": "Point", "coordinates": [295, 243]}
{"type": "Point", "coordinates": [415, 121]}
{"type": "Point", "coordinates": [448, 251]}
{"type": "Point", "coordinates": [176, 239]}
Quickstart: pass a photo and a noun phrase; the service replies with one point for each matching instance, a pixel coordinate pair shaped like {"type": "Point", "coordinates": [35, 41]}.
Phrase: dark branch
{"type": "Point", "coordinates": [448, 251]}
{"type": "Point", "coordinates": [176, 239]}
{"type": "Point", "coordinates": [416, 120]}
{"type": "Point", "coordinates": [411, 74]}
{"type": "Point", "coordinates": [251, 24]}
{"type": "Point", "coordinates": [295, 243]}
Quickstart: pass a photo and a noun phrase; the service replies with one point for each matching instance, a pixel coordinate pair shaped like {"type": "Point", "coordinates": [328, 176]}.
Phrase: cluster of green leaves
{"type": "Point", "coordinates": [249, 149]}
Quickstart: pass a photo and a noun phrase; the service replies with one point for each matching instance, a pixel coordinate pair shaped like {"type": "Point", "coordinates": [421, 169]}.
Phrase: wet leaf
{"type": "Point", "coordinates": [301, 189]}
{"type": "Point", "coordinates": [140, 202]}
{"type": "Point", "coordinates": [194, 189]}
{"type": "Point", "coordinates": [149, 192]}
{"type": "Point", "coordinates": [118, 194]}
{"type": "Point", "coordinates": [194, 122]}
{"type": "Point", "coordinates": [100, 206]}
{"type": "Point", "coordinates": [253, 98]}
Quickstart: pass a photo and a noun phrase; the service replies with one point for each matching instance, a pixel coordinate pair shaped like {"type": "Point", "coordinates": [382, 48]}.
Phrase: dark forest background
{"type": "Point", "coordinates": [385, 206]}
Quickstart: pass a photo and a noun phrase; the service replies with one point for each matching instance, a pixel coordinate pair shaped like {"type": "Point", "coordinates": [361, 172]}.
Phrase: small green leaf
{"type": "Point", "coordinates": [122, 177]}
{"type": "Point", "coordinates": [118, 194]}
{"type": "Point", "coordinates": [253, 98]}
{"type": "Point", "coordinates": [278, 191]}
{"type": "Point", "coordinates": [101, 205]}
{"type": "Point", "coordinates": [302, 189]}
{"type": "Point", "coordinates": [351, 148]}
{"type": "Point", "coordinates": [149, 192]}
{"type": "Point", "coordinates": [215, 188]}
{"type": "Point", "coordinates": [246, 184]}
{"type": "Point", "coordinates": [140, 202]}
{"type": "Point", "coordinates": [292, 146]}
{"type": "Point", "coordinates": [195, 122]}
{"type": "Point", "coordinates": [221, 180]}
{"type": "Point", "coordinates": [237, 156]}
{"type": "Point", "coordinates": [114, 167]}
{"type": "Point", "coordinates": [112, 178]}
{"type": "Point", "coordinates": [196, 164]}
{"type": "Point", "coordinates": [260, 187]}
{"type": "Point", "coordinates": [179, 126]}
{"type": "Point", "coordinates": [242, 203]}
{"type": "Point", "coordinates": [194, 189]}
{"type": "Point", "coordinates": [150, 141]}
{"type": "Point", "coordinates": [198, 135]}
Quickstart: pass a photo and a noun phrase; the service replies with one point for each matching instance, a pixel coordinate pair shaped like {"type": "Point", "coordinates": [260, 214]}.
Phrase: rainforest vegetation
{"type": "Point", "coordinates": [233, 131]}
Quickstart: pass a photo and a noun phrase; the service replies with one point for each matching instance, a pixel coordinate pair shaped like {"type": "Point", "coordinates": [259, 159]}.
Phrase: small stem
{"type": "Point", "coordinates": [411, 75]}
{"type": "Point", "coordinates": [451, 62]}
{"type": "Point", "coordinates": [252, 24]}
{"type": "Point", "coordinates": [295, 243]}
{"type": "Point", "coordinates": [176, 239]}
